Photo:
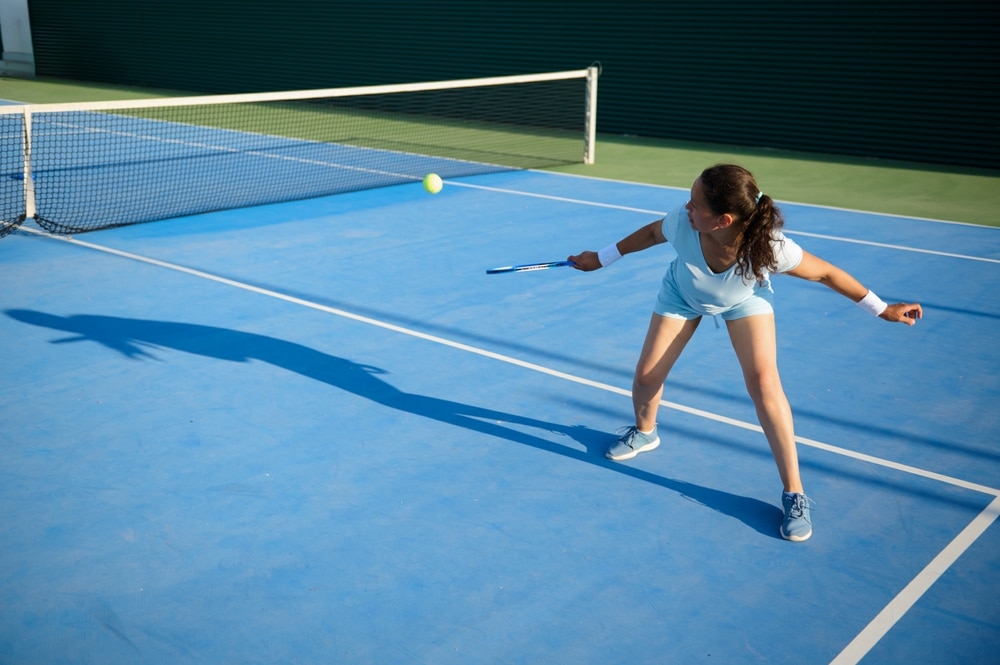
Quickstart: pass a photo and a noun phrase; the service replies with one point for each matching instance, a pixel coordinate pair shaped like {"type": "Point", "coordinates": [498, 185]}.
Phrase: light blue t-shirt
{"type": "Point", "coordinates": [704, 291]}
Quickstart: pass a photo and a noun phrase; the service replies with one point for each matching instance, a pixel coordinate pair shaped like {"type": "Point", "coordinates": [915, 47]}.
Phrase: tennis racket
{"type": "Point", "coordinates": [524, 267]}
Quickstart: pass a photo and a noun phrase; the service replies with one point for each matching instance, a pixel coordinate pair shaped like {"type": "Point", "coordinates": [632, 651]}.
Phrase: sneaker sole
{"type": "Point", "coordinates": [796, 539]}
{"type": "Point", "coordinates": [649, 446]}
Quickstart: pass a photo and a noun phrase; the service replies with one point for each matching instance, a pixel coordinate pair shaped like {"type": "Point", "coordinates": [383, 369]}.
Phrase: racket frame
{"type": "Point", "coordinates": [525, 267]}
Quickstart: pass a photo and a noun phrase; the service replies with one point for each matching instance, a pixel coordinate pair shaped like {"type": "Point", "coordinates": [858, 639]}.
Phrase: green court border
{"type": "Point", "coordinates": [940, 192]}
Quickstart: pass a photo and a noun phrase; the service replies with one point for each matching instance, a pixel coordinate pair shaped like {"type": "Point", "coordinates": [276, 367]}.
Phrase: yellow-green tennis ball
{"type": "Point", "coordinates": [432, 183]}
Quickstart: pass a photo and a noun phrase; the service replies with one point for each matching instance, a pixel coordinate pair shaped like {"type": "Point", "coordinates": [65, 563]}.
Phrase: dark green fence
{"type": "Point", "coordinates": [906, 80]}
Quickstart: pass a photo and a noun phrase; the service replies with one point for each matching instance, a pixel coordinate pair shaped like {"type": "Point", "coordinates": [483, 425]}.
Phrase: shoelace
{"type": "Point", "coordinates": [799, 504]}
{"type": "Point", "coordinates": [628, 435]}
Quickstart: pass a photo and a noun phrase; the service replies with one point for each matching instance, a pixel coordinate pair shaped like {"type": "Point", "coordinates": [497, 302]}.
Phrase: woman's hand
{"type": "Point", "coordinates": [585, 261]}
{"type": "Point", "coordinates": [903, 313]}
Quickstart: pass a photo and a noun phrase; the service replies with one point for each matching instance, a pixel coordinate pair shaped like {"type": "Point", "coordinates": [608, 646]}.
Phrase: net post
{"type": "Point", "coordinates": [590, 142]}
{"type": "Point", "coordinates": [29, 181]}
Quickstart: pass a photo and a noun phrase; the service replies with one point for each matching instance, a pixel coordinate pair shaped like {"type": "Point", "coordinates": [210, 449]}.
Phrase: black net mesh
{"type": "Point", "coordinates": [96, 168]}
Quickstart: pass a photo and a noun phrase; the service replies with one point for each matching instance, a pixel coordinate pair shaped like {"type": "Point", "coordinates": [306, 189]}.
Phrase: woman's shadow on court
{"type": "Point", "coordinates": [139, 338]}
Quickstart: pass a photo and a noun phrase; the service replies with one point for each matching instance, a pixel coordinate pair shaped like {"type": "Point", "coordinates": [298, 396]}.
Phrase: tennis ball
{"type": "Point", "coordinates": [432, 183]}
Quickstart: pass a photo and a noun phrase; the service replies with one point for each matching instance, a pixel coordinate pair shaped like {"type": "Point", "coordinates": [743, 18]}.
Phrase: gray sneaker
{"type": "Point", "coordinates": [631, 443]}
{"type": "Point", "coordinates": [798, 521]}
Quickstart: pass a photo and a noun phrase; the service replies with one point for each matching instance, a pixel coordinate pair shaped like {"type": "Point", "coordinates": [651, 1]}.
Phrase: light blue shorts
{"type": "Point", "coordinates": [671, 304]}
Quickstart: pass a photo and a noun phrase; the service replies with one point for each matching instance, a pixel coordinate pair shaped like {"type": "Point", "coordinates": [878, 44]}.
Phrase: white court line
{"type": "Point", "coordinates": [660, 213]}
{"type": "Point", "coordinates": [864, 641]}
{"type": "Point", "coordinates": [888, 246]}
{"type": "Point", "coordinates": [549, 197]}
{"type": "Point", "coordinates": [918, 586]}
{"type": "Point", "coordinates": [797, 203]}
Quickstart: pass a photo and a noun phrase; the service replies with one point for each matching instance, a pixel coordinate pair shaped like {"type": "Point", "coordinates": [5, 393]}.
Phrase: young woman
{"type": "Point", "coordinates": [728, 240]}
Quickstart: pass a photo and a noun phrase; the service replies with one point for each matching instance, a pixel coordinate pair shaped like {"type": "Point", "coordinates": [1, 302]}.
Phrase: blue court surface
{"type": "Point", "coordinates": [318, 432]}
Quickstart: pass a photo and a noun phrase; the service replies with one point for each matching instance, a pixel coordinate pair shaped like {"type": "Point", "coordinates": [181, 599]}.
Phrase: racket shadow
{"type": "Point", "coordinates": [140, 338]}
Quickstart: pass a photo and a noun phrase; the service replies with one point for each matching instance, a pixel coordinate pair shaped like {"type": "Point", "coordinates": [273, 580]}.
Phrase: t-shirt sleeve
{"type": "Point", "coordinates": [787, 253]}
{"type": "Point", "coordinates": [670, 224]}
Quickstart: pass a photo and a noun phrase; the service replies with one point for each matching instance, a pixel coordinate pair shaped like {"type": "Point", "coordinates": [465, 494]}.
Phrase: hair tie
{"type": "Point", "coordinates": [757, 200]}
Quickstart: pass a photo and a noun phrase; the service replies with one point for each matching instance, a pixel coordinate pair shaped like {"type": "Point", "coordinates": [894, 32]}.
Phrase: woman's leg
{"type": "Point", "coordinates": [665, 340]}
{"type": "Point", "coordinates": [753, 339]}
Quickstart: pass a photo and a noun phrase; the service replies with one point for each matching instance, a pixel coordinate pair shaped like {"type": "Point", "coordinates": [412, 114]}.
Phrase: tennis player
{"type": "Point", "coordinates": [729, 241]}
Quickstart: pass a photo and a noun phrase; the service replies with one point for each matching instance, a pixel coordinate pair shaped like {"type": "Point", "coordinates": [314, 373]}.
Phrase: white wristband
{"type": "Point", "coordinates": [872, 304]}
{"type": "Point", "coordinates": [608, 255]}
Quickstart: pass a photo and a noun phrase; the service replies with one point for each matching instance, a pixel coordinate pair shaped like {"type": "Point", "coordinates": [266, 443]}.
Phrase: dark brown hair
{"type": "Point", "coordinates": [732, 189]}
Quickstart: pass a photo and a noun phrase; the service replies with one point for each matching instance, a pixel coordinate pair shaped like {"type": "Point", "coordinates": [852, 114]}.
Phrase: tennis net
{"type": "Point", "coordinates": [80, 167]}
